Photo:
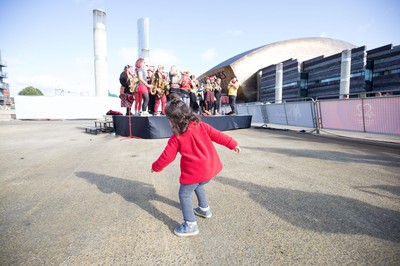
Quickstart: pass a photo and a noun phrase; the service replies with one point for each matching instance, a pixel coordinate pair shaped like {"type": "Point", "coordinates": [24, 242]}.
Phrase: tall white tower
{"type": "Point", "coordinates": [100, 52]}
{"type": "Point", "coordinates": [143, 38]}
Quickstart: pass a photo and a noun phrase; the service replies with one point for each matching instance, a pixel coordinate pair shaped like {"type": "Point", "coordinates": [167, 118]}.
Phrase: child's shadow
{"type": "Point", "coordinates": [324, 213]}
{"type": "Point", "coordinates": [142, 194]}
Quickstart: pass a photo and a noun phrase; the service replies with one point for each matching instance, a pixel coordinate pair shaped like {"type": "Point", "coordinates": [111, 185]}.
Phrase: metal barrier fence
{"type": "Point", "coordinates": [370, 115]}
{"type": "Point", "coordinates": [289, 113]}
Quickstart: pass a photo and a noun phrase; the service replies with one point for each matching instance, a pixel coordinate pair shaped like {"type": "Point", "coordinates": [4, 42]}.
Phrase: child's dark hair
{"type": "Point", "coordinates": [179, 114]}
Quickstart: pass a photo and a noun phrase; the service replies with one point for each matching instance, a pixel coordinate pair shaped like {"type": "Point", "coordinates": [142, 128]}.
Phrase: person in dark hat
{"type": "Point", "coordinates": [185, 87]}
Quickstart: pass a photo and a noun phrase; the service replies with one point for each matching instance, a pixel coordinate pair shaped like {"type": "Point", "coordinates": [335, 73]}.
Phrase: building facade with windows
{"type": "Point", "coordinates": [246, 66]}
{"type": "Point", "coordinates": [311, 68]}
{"type": "Point", "coordinates": [4, 87]}
{"type": "Point", "coordinates": [372, 71]}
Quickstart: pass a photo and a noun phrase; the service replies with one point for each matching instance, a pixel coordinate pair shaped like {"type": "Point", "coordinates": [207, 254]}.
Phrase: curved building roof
{"type": "Point", "coordinates": [246, 65]}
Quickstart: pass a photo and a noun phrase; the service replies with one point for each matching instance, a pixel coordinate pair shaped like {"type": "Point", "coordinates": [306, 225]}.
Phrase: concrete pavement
{"type": "Point", "coordinates": [71, 198]}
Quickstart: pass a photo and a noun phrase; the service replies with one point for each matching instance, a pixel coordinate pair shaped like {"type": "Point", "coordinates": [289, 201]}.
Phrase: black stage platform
{"type": "Point", "coordinates": [157, 127]}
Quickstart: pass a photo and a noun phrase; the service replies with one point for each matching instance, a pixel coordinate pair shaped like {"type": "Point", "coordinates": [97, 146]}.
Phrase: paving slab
{"type": "Point", "coordinates": [72, 198]}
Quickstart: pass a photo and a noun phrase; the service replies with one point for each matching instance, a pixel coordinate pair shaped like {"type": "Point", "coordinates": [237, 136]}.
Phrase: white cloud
{"type": "Point", "coordinates": [17, 81]}
{"type": "Point", "coordinates": [128, 55]}
{"type": "Point", "coordinates": [323, 34]}
{"type": "Point", "coordinates": [208, 55]}
{"type": "Point", "coordinates": [45, 83]}
{"type": "Point", "coordinates": [12, 61]}
{"type": "Point", "coordinates": [76, 77]}
{"type": "Point", "coordinates": [163, 57]}
{"type": "Point", "coordinates": [234, 33]}
{"type": "Point", "coordinates": [49, 85]}
{"type": "Point", "coordinates": [88, 2]}
{"type": "Point", "coordinates": [85, 61]}
{"type": "Point", "coordinates": [365, 27]}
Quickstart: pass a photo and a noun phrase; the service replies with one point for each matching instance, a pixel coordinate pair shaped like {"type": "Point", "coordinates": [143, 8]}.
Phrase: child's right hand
{"type": "Point", "coordinates": [237, 149]}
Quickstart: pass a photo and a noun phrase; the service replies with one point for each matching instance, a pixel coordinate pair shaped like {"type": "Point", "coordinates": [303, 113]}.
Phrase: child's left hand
{"type": "Point", "coordinates": [237, 149]}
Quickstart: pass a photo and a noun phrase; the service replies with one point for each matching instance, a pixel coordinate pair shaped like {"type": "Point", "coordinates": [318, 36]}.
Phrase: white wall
{"type": "Point", "coordinates": [65, 107]}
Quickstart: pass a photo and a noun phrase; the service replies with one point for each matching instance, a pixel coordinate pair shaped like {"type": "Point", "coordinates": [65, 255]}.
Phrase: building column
{"type": "Point", "coordinates": [278, 83]}
{"type": "Point", "coordinates": [259, 78]}
{"type": "Point", "coordinates": [345, 71]}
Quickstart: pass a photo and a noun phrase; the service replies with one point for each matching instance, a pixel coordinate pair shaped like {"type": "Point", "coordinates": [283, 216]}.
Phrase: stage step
{"type": "Point", "coordinates": [105, 125]}
{"type": "Point", "coordinates": [93, 130]}
{"type": "Point", "coordinates": [102, 125]}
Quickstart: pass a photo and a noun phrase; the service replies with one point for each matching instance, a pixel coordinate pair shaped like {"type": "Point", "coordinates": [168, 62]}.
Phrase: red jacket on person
{"type": "Point", "coordinates": [199, 158]}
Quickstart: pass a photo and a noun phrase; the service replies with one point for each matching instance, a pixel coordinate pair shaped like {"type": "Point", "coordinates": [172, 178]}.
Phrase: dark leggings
{"type": "Point", "coordinates": [232, 103]}
{"type": "Point", "coordinates": [210, 106]}
{"type": "Point", "coordinates": [217, 101]}
{"type": "Point", "coordinates": [145, 97]}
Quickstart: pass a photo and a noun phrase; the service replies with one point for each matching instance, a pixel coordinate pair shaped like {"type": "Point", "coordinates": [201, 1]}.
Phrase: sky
{"type": "Point", "coordinates": [48, 44]}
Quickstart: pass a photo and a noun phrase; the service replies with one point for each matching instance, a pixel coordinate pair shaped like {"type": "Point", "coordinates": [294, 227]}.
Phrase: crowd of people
{"type": "Point", "coordinates": [145, 91]}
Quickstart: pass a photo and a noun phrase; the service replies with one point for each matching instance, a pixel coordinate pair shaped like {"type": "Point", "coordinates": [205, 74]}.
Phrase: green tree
{"type": "Point", "coordinates": [30, 91]}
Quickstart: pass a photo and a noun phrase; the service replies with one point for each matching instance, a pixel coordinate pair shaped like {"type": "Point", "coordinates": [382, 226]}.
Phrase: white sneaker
{"type": "Point", "coordinates": [145, 113]}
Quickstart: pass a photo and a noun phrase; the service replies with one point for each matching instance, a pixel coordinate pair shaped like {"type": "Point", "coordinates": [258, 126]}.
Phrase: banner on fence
{"type": "Point", "coordinates": [373, 115]}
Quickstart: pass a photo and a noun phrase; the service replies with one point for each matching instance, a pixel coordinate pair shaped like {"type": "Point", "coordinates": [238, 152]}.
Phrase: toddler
{"type": "Point", "coordinates": [200, 161]}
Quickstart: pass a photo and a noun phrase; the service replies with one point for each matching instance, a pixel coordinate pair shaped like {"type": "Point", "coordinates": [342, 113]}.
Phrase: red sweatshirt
{"type": "Point", "coordinates": [199, 158]}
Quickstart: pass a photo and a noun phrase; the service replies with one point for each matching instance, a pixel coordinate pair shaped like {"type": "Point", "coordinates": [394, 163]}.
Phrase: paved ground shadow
{"type": "Point", "coordinates": [323, 213]}
{"type": "Point", "coordinates": [332, 156]}
{"type": "Point", "coordinates": [139, 193]}
{"type": "Point", "coordinates": [381, 190]}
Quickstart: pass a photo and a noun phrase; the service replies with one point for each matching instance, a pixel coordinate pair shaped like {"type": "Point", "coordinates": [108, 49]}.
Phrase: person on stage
{"type": "Point", "coordinates": [143, 88]}
{"type": "Point", "coordinates": [200, 98]}
{"type": "Point", "coordinates": [217, 93]}
{"type": "Point", "coordinates": [209, 95]}
{"type": "Point", "coordinates": [233, 87]}
{"type": "Point", "coordinates": [193, 94]}
{"type": "Point", "coordinates": [152, 97]}
{"type": "Point", "coordinates": [174, 79]}
{"type": "Point", "coordinates": [125, 93]}
{"type": "Point", "coordinates": [159, 82]}
{"type": "Point", "coordinates": [185, 87]}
